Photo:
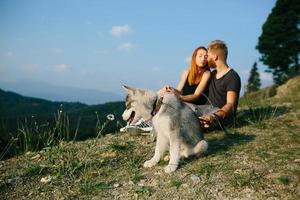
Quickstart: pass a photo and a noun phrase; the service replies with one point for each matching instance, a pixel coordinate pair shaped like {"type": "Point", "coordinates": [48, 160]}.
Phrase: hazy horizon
{"type": "Point", "coordinates": [50, 92]}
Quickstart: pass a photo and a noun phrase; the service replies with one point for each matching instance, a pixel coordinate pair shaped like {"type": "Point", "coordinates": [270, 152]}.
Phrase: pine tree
{"type": "Point", "coordinates": [279, 43]}
{"type": "Point", "coordinates": [254, 80]}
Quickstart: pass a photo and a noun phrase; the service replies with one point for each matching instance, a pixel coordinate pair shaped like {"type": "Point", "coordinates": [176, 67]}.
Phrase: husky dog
{"type": "Point", "coordinates": [176, 125]}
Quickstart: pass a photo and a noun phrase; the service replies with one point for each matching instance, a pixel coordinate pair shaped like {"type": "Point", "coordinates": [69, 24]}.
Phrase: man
{"type": "Point", "coordinates": [224, 86]}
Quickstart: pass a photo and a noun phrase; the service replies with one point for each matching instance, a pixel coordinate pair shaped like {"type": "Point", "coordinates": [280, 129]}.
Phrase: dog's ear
{"type": "Point", "coordinates": [128, 89]}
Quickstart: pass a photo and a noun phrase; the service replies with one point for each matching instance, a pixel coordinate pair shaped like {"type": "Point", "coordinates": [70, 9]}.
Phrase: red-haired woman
{"type": "Point", "coordinates": [192, 87]}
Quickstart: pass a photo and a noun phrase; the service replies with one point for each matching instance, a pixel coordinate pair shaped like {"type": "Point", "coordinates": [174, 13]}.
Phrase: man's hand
{"type": "Point", "coordinates": [207, 121]}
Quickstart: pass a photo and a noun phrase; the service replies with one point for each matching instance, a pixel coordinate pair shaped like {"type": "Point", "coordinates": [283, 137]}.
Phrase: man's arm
{"type": "Point", "coordinates": [225, 111]}
{"type": "Point", "coordinates": [228, 108]}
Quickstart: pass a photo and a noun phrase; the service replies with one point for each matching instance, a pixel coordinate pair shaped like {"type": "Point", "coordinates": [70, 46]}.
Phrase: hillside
{"type": "Point", "coordinates": [15, 105]}
{"type": "Point", "coordinates": [256, 158]}
{"type": "Point", "coordinates": [17, 112]}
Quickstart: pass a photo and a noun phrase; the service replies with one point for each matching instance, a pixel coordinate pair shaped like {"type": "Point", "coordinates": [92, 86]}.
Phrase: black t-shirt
{"type": "Point", "coordinates": [218, 88]}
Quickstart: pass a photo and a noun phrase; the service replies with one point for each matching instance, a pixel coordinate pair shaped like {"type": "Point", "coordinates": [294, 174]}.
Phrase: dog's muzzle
{"type": "Point", "coordinates": [128, 115]}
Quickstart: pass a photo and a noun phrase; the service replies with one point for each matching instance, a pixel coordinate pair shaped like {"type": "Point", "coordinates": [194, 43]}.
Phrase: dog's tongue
{"type": "Point", "coordinates": [130, 119]}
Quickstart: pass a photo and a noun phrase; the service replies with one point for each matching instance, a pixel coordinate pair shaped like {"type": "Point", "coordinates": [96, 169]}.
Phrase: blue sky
{"type": "Point", "coordinates": [103, 44]}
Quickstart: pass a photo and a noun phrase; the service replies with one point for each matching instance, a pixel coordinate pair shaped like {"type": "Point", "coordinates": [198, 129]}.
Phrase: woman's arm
{"type": "Point", "coordinates": [201, 88]}
{"type": "Point", "coordinates": [177, 91]}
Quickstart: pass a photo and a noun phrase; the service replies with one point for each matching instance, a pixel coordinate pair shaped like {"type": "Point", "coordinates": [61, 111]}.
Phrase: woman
{"type": "Point", "coordinates": [192, 87]}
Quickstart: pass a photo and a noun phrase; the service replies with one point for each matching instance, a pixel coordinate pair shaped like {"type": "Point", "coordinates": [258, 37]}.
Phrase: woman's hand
{"type": "Point", "coordinates": [162, 91]}
{"type": "Point", "coordinates": [168, 89]}
{"type": "Point", "coordinates": [174, 91]}
{"type": "Point", "coordinates": [165, 89]}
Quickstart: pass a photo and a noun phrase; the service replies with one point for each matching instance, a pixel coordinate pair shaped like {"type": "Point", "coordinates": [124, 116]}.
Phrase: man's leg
{"type": "Point", "coordinates": [203, 109]}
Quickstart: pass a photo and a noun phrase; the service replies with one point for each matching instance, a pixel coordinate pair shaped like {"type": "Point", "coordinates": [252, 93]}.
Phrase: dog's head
{"type": "Point", "coordinates": [139, 104]}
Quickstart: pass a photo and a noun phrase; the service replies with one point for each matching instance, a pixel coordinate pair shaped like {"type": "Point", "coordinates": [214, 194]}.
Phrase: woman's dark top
{"type": "Point", "coordinates": [190, 89]}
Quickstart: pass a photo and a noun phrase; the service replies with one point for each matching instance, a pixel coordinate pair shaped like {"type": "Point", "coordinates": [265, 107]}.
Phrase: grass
{"type": "Point", "coordinates": [175, 182]}
{"type": "Point", "coordinates": [32, 136]}
{"type": "Point", "coordinates": [258, 158]}
{"type": "Point", "coordinates": [143, 191]}
{"type": "Point", "coordinates": [34, 170]}
{"type": "Point", "coordinates": [284, 180]}
{"type": "Point", "coordinates": [88, 186]}
{"type": "Point", "coordinates": [205, 170]}
{"type": "Point", "coordinates": [136, 178]}
{"type": "Point", "coordinates": [250, 179]}
{"type": "Point", "coordinates": [63, 160]}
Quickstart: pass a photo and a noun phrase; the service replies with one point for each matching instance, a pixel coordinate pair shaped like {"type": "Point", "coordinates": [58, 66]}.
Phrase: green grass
{"type": "Point", "coordinates": [284, 180]}
{"type": "Point", "coordinates": [34, 170]}
{"type": "Point", "coordinates": [64, 160]}
{"type": "Point", "coordinates": [89, 186]}
{"type": "Point", "coordinates": [136, 178]}
{"type": "Point", "coordinates": [143, 191]}
{"type": "Point", "coordinates": [206, 170]}
{"type": "Point", "coordinates": [119, 147]}
{"type": "Point", "coordinates": [250, 178]}
{"type": "Point", "coordinates": [32, 136]}
{"type": "Point", "coordinates": [175, 182]}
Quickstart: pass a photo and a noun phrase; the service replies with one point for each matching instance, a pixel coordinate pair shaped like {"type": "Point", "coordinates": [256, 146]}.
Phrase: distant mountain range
{"type": "Point", "coordinates": [59, 93]}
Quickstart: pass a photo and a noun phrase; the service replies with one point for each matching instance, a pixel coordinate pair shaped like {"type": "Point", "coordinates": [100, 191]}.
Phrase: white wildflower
{"type": "Point", "coordinates": [46, 179]}
{"type": "Point", "coordinates": [37, 156]}
{"type": "Point", "coordinates": [110, 117]}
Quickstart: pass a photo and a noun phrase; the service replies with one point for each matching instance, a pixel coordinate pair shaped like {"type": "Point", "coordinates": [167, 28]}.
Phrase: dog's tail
{"type": "Point", "coordinates": [200, 148]}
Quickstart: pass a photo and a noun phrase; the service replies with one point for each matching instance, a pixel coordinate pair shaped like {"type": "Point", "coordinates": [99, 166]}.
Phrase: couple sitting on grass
{"type": "Point", "coordinates": [212, 95]}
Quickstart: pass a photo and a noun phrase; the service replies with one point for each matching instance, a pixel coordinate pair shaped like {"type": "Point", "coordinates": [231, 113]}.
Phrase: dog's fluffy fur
{"type": "Point", "coordinates": [176, 125]}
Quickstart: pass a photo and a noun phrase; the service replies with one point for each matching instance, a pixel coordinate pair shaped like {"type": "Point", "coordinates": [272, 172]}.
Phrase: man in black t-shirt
{"type": "Point", "coordinates": [224, 86]}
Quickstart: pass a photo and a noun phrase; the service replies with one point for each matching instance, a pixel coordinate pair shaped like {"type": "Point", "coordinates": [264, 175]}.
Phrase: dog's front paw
{"type": "Point", "coordinates": [150, 163]}
{"type": "Point", "coordinates": [170, 168]}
